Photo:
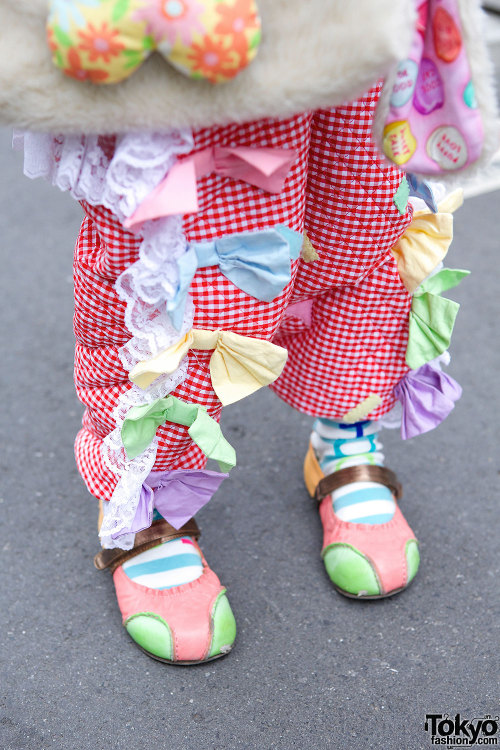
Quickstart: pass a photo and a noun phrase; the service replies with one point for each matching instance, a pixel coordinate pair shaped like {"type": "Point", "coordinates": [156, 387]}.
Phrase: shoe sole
{"type": "Point", "coordinates": [178, 663]}
{"type": "Point", "coordinates": [369, 597]}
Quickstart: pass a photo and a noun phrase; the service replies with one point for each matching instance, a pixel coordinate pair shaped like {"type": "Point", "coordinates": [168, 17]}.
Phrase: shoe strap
{"type": "Point", "coordinates": [160, 531]}
{"type": "Point", "coordinates": [363, 473]}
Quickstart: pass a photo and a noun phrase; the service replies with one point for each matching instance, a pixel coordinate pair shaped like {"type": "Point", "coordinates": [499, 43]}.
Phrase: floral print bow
{"type": "Point", "coordinates": [105, 41]}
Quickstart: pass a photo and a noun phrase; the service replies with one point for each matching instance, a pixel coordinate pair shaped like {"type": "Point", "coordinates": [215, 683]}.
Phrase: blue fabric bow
{"type": "Point", "coordinates": [421, 189]}
{"type": "Point", "coordinates": [258, 263]}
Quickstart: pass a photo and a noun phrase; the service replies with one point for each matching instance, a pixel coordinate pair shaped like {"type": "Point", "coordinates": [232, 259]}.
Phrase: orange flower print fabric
{"type": "Point", "coordinates": [236, 20]}
{"type": "Point", "coordinates": [105, 41]}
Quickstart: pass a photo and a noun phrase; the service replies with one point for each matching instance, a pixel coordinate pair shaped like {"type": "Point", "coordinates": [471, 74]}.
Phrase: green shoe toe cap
{"type": "Point", "coordinates": [151, 633]}
{"type": "Point", "coordinates": [412, 559]}
{"type": "Point", "coordinates": [224, 627]}
{"type": "Point", "coordinates": [350, 571]}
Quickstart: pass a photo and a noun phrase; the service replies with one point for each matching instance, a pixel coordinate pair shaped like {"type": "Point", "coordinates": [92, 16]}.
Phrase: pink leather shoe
{"type": "Point", "coordinates": [362, 561]}
{"type": "Point", "coordinates": [187, 624]}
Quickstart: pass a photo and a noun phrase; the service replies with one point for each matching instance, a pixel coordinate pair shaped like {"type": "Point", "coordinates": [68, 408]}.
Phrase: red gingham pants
{"type": "Point", "coordinates": [340, 191]}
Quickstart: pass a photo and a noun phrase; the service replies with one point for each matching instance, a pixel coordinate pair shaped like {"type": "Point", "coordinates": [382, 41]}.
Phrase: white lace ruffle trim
{"type": "Point", "coordinates": [119, 179]}
{"type": "Point", "coordinates": [121, 509]}
{"type": "Point", "coordinates": [147, 286]}
{"type": "Point", "coordinates": [81, 164]}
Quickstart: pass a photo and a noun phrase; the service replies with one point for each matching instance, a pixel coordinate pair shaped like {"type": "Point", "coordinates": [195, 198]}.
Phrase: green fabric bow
{"type": "Point", "coordinates": [432, 317]}
{"type": "Point", "coordinates": [141, 423]}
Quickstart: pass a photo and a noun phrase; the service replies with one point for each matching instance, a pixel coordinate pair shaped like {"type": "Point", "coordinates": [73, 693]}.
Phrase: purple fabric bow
{"type": "Point", "coordinates": [427, 396]}
{"type": "Point", "coordinates": [177, 494]}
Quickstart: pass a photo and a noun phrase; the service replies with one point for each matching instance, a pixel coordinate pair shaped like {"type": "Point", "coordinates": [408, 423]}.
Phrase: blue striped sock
{"type": "Point", "coordinates": [339, 446]}
{"type": "Point", "coordinates": [167, 565]}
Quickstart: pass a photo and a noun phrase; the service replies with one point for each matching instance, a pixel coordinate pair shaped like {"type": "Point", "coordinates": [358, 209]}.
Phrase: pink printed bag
{"type": "Point", "coordinates": [437, 113]}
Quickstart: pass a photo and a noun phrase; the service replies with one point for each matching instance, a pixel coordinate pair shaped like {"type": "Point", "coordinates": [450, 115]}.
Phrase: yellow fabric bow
{"type": "Point", "coordinates": [239, 366]}
{"type": "Point", "coordinates": [426, 241]}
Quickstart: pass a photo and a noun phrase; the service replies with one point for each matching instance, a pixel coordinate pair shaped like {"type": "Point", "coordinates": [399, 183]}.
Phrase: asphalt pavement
{"type": "Point", "coordinates": [310, 669]}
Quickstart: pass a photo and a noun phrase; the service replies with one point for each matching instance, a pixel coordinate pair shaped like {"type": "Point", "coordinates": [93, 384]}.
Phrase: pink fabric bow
{"type": "Point", "coordinates": [266, 168]}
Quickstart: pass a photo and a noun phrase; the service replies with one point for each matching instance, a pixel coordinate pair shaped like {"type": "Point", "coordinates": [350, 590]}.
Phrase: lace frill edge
{"type": "Point", "coordinates": [147, 287]}
{"type": "Point", "coordinates": [119, 512]}
{"type": "Point", "coordinates": [116, 172]}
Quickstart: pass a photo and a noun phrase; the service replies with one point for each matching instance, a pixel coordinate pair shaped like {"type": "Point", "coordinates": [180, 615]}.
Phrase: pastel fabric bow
{"type": "Point", "coordinates": [432, 317]}
{"type": "Point", "coordinates": [426, 242]}
{"type": "Point", "coordinates": [258, 263]}
{"type": "Point", "coordinates": [265, 168]}
{"type": "Point", "coordinates": [239, 366]}
{"type": "Point", "coordinates": [140, 425]}
{"type": "Point", "coordinates": [427, 396]}
{"type": "Point", "coordinates": [420, 188]}
{"type": "Point", "coordinates": [105, 42]}
{"type": "Point", "coordinates": [177, 495]}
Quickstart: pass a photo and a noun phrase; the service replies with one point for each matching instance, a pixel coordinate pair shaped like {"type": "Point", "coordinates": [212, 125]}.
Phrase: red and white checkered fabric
{"type": "Point", "coordinates": [227, 206]}
{"type": "Point", "coordinates": [356, 344]}
{"type": "Point", "coordinates": [354, 348]}
{"type": "Point", "coordinates": [351, 218]}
